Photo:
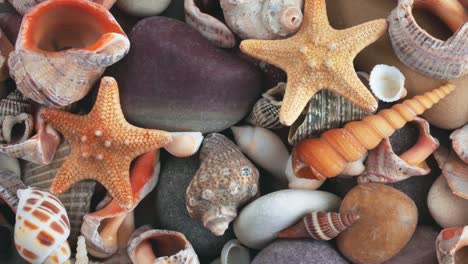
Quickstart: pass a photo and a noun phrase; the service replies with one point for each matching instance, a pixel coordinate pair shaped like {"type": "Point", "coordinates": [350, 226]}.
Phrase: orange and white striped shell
{"type": "Point", "coordinates": [328, 156]}
{"type": "Point", "coordinates": [320, 225]}
{"type": "Point", "coordinates": [41, 228]}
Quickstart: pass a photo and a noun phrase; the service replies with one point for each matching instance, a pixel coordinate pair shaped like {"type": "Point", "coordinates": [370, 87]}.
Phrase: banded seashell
{"type": "Point", "coordinates": [326, 111]}
{"type": "Point", "coordinates": [449, 242]}
{"type": "Point", "coordinates": [103, 228]}
{"type": "Point", "coordinates": [5, 48]}
{"type": "Point", "coordinates": [10, 183]}
{"type": "Point", "coordinates": [329, 155]}
{"type": "Point", "coordinates": [424, 53]}
{"type": "Point", "coordinates": [57, 66]}
{"type": "Point", "coordinates": [81, 256]}
{"type": "Point", "coordinates": [211, 28]}
{"type": "Point", "coordinates": [24, 6]}
{"type": "Point", "coordinates": [265, 112]}
{"type": "Point", "coordinates": [77, 200]}
{"type": "Point", "coordinates": [225, 180]}
{"type": "Point", "coordinates": [41, 228]}
{"type": "Point", "coordinates": [459, 139]}
{"type": "Point", "coordinates": [320, 225]}
{"type": "Point", "coordinates": [384, 166]}
{"type": "Point", "coordinates": [15, 118]}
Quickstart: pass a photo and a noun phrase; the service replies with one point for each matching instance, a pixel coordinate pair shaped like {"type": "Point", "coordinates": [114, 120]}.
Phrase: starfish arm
{"type": "Point", "coordinates": [274, 52]}
{"type": "Point", "coordinates": [62, 121]}
{"type": "Point", "coordinates": [315, 16]}
{"type": "Point", "coordinates": [361, 36]}
{"type": "Point", "coordinates": [298, 94]}
{"type": "Point", "coordinates": [117, 183]}
{"type": "Point", "coordinates": [67, 175]}
{"type": "Point", "coordinates": [351, 87]}
{"type": "Point", "coordinates": [143, 140]}
{"type": "Point", "coordinates": [107, 105]}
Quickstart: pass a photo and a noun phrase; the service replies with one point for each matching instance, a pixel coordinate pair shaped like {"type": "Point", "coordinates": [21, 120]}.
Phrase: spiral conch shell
{"type": "Point", "coordinates": [160, 247]}
{"type": "Point", "coordinates": [383, 165]}
{"type": "Point", "coordinates": [265, 112]}
{"type": "Point", "coordinates": [421, 51]}
{"type": "Point", "coordinates": [224, 181]}
{"type": "Point", "coordinates": [329, 155]}
{"type": "Point", "coordinates": [41, 228]}
{"type": "Point", "coordinates": [449, 242]}
{"type": "Point", "coordinates": [320, 225]}
{"type": "Point", "coordinates": [23, 6]}
{"type": "Point", "coordinates": [58, 65]}
{"type": "Point", "coordinates": [263, 19]}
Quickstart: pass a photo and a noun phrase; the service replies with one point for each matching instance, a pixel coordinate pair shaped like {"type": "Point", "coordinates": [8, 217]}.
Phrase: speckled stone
{"type": "Point", "coordinates": [175, 176]}
{"type": "Point", "coordinates": [176, 80]}
{"type": "Point", "coordinates": [299, 251]}
{"type": "Point", "coordinates": [388, 219]}
{"type": "Point", "coordinates": [420, 249]}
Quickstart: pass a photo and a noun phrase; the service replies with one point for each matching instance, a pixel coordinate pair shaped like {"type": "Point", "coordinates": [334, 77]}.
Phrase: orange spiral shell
{"type": "Point", "coordinates": [327, 156]}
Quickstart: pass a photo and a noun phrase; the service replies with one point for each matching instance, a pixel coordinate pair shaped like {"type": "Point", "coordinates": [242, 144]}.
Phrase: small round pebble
{"type": "Point", "coordinates": [388, 219]}
{"type": "Point", "coordinates": [299, 251]}
{"type": "Point", "coordinates": [175, 176]}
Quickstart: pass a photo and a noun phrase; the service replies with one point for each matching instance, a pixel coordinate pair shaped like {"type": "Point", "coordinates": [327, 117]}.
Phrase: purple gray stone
{"type": "Point", "coordinates": [299, 251]}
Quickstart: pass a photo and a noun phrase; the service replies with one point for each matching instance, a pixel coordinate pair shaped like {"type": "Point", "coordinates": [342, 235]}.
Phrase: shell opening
{"type": "Point", "coordinates": [61, 25]}
{"type": "Point", "coordinates": [161, 245]}
{"type": "Point", "coordinates": [17, 132]}
{"type": "Point", "coordinates": [291, 18]}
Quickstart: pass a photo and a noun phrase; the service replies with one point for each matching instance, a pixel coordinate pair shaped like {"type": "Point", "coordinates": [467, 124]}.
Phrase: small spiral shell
{"type": "Point", "coordinates": [320, 225]}
{"type": "Point", "coordinates": [265, 112]}
{"type": "Point", "coordinates": [329, 155]}
{"type": "Point", "coordinates": [42, 227]}
{"type": "Point", "coordinates": [9, 184]}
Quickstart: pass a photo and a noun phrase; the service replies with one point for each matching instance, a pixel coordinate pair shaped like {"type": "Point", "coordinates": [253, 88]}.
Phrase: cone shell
{"type": "Point", "coordinates": [459, 139]}
{"type": "Point", "coordinates": [5, 48]}
{"type": "Point", "coordinates": [265, 112]}
{"type": "Point", "coordinates": [76, 201]}
{"type": "Point", "coordinates": [160, 247]}
{"type": "Point", "coordinates": [384, 166]}
{"type": "Point", "coordinates": [422, 52]}
{"type": "Point", "coordinates": [224, 181]}
{"type": "Point", "coordinates": [329, 155]}
{"type": "Point", "coordinates": [103, 227]}
{"type": "Point", "coordinates": [211, 28]}
{"type": "Point", "coordinates": [320, 225]}
{"type": "Point", "coordinates": [263, 19]}
{"type": "Point", "coordinates": [338, 112]}
{"type": "Point", "coordinates": [454, 170]}
{"type": "Point", "coordinates": [450, 241]}
{"type": "Point", "coordinates": [57, 68]}
{"type": "Point", "coordinates": [24, 6]}
{"type": "Point", "coordinates": [10, 183]}
{"type": "Point", "coordinates": [41, 228]}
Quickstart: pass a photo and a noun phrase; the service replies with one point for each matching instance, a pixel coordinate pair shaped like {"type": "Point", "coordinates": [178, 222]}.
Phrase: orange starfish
{"type": "Point", "coordinates": [318, 57]}
{"type": "Point", "coordinates": [103, 145]}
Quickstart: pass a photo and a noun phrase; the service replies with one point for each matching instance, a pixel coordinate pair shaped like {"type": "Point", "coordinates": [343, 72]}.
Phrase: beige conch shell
{"type": "Point", "coordinates": [263, 19]}
{"type": "Point", "coordinates": [449, 242]}
{"type": "Point", "coordinates": [422, 52]}
{"type": "Point", "coordinates": [459, 139]}
{"type": "Point", "coordinates": [224, 181]}
{"type": "Point", "coordinates": [211, 28]}
{"type": "Point", "coordinates": [454, 170]}
{"type": "Point", "coordinates": [24, 6]}
{"type": "Point", "coordinates": [57, 66]}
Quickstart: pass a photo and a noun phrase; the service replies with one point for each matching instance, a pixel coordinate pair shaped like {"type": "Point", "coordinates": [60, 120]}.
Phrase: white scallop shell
{"type": "Point", "coordinates": [41, 228]}
{"type": "Point", "coordinates": [260, 221]}
{"type": "Point", "coordinates": [387, 83]}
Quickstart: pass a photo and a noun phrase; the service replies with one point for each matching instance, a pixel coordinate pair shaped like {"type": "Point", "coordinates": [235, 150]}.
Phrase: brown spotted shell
{"type": "Point", "coordinates": [225, 180]}
{"type": "Point", "coordinates": [320, 225]}
{"type": "Point", "coordinates": [41, 228]}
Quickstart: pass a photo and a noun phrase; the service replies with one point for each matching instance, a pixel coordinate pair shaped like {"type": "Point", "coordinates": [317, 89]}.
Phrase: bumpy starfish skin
{"type": "Point", "coordinates": [318, 57]}
{"type": "Point", "coordinates": [103, 145]}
